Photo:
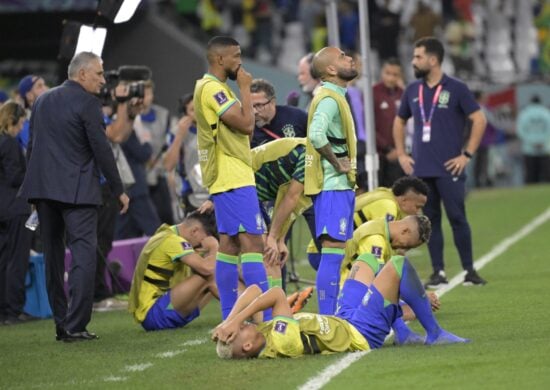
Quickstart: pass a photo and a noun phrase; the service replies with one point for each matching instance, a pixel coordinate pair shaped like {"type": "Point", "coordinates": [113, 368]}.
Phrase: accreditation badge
{"type": "Point", "coordinates": [426, 132]}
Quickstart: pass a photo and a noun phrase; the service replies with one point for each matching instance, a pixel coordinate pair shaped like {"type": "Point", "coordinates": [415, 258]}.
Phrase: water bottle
{"type": "Point", "coordinates": [33, 222]}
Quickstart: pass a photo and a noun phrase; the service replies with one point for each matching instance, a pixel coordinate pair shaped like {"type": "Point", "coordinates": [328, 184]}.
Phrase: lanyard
{"type": "Point", "coordinates": [421, 101]}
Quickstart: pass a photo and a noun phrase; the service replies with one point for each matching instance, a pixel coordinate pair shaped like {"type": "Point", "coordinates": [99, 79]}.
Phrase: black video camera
{"type": "Point", "coordinates": [133, 75]}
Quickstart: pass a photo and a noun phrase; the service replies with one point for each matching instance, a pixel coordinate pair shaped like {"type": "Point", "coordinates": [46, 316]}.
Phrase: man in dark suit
{"type": "Point", "coordinates": [67, 157]}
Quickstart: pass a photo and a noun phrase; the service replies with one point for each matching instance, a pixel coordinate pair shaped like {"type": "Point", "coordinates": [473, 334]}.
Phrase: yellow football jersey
{"type": "Point", "coordinates": [163, 267]}
{"type": "Point", "coordinates": [309, 333]}
{"type": "Point", "coordinates": [232, 172]}
{"type": "Point", "coordinates": [379, 203]}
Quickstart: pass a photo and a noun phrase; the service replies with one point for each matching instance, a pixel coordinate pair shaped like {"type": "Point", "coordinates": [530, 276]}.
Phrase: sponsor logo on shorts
{"type": "Point", "coordinates": [220, 98]}
{"type": "Point", "coordinates": [280, 327]}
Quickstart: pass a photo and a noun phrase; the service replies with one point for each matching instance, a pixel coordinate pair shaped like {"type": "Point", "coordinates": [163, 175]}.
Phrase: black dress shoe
{"type": "Point", "coordinates": [60, 333]}
{"type": "Point", "coordinates": [69, 337]}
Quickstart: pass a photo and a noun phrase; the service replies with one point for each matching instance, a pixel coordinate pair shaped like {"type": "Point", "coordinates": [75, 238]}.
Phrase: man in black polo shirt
{"type": "Point", "coordinates": [441, 106]}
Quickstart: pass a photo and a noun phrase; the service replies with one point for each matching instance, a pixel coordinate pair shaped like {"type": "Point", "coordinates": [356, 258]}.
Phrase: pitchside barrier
{"type": "Point", "coordinates": [121, 263]}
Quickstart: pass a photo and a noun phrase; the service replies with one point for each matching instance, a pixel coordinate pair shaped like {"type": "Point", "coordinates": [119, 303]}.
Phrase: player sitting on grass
{"type": "Point", "coordinates": [172, 281]}
{"type": "Point", "coordinates": [407, 196]}
{"type": "Point", "coordinates": [362, 321]}
{"type": "Point", "coordinates": [374, 243]}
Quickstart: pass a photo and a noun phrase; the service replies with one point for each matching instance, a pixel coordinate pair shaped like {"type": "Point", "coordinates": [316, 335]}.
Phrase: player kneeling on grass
{"type": "Point", "coordinates": [362, 321]}
{"type": "Point", "coordinates": [174, 276]}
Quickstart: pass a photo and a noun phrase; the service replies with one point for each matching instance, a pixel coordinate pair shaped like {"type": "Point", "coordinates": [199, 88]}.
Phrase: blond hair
{"type": "Point", "coordinates": [224, 351]}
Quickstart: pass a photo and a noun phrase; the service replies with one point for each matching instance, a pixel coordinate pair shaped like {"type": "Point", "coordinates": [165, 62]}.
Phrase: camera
{"type": "Point", "coordinates": [133, 75]}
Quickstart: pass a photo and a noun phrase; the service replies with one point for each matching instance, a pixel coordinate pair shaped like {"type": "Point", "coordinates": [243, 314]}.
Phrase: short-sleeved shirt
{"type": "Point", "coordinates": [273, 174]}
{"type": "Point", "coordinates": [375, 245]}
{"type": "Point", "coordinates": [162, 265]}
{"type": "Point", "coordinates": [287, 122]}
{"type": "Point", "coordinates": [309, 333]}
{"type": "Point", "coordinates": [455, 103]}
{"type": "Point", "coordinates": [233, 173]}
{"type": "Point", "coordinates": [327, 122]}
{"type": "Point", "coordinates": [379, 203]}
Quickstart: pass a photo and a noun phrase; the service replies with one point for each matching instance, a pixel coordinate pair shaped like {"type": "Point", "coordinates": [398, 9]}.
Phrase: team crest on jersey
{"type": "Point", "coordinates": [288, 130]}
{"type": "Point", "coordinates": [444, 97]}
{"type": "Point", "coordinates": [186, 246]}
{"type": "Point", "coordinates": [376, 251]}
{"type": "Point", "coordinates": [389, 217]}
{"type": "Point", "coordinates": [220, 98]}
{"type": "Point", "coordinates": [280, 327]}
{"type": "Point", "coordinates": [343, 226]}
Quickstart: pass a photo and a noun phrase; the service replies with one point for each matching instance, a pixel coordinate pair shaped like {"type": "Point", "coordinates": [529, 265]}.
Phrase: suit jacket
{"type": "Point", "coordinates": [12, 172]}
{"type": "Point", "coordinates": [68, 148]}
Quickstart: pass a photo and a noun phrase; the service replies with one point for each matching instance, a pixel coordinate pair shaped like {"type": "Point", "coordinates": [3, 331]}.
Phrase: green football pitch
{"type": "Point", "coordinates": [508, 321]}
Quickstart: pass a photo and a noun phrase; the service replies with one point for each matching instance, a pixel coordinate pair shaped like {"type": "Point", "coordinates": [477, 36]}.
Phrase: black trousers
{"type": "Point", "coordinates": [106, 222]}
{"type": "Point", "coordinates": [160, 195]}
{"type": "Point", "coordinates": [15, 244]}
{"type": "Point", "coordinates": [78, 223]}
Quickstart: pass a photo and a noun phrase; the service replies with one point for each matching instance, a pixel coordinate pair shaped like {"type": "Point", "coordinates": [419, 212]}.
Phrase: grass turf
{"type": "Point", "coordinates": [508, 321]}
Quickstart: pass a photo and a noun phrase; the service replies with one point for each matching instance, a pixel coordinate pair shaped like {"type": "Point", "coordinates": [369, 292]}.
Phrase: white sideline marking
{"type": "Point", "coordinates": [324, 377]}
{"type": "Point", "coordinates": [138, 367]}
{"type": "Point", "coordinates": [113, 378]}
{"type": "Point", "coordinates": [170, 354]}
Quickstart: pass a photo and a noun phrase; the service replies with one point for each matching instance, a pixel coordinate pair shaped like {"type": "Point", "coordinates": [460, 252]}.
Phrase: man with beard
{"type": "Point", "coordinates": [440, 105]}
{"type": "Point", "coordinates": [330, 168]}
{"type": "Point", "coordinates": [224, 126]}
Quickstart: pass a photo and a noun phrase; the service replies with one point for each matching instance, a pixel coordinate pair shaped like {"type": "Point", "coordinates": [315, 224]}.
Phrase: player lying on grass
{"type": "Point", "coordinates": [174, 276]}
{"type": "Point", "coordinates": [362, 321]}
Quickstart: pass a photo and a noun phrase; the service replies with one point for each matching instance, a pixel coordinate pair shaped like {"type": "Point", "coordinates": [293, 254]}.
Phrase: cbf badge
{"type": "Point", "coordinates": [343, 226]}
{"type": "Point", "coordinates": [444, 99]}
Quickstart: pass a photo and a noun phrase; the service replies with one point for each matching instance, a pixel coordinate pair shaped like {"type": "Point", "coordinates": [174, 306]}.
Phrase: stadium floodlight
{"type": "Point", "coordinates": [77, 38]}
{"type": "Point", "coordinates": [91, 39]}
{"type": "Point", "coordinates": [118, 11]}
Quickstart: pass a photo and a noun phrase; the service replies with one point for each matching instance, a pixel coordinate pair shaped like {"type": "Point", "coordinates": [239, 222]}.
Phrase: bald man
{"type": "Point", "coordinates": [330, 168]}
{"type": "Point", "coordinates": [224, 125]}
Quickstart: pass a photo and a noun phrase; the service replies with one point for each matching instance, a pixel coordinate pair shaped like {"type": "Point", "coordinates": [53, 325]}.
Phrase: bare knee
{"type": "Point", "coordinates": [251, 243]}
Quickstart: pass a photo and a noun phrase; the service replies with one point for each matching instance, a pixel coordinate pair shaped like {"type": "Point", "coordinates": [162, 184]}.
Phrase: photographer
{"type": "Point", "coordinates": [119, 112]}
{"type": "Point", "coordinates": [182, 155]}
{"type": "Point", "coordinates": [155, 120]}
{"type": "Point", "coordinates": [142, 218]}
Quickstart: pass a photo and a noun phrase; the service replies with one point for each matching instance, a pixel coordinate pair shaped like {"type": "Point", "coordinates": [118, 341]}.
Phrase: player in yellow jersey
{"type": "Point", "coordinates": [172, 282]}
{"type": "Point", "coordinates": [224, 125]}
{"type": "Point", "coordinates": [407, 196]}
{"type": "Point", "coordinates": [366, 309]}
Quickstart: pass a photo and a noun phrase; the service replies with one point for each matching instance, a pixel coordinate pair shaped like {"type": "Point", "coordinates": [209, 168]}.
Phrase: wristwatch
{"type": "Point", "coordinates": [467, 154]}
